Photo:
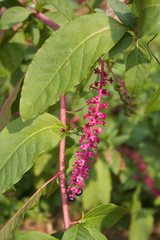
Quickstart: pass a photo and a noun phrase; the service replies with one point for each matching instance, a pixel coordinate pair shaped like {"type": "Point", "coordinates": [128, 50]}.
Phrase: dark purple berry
{"type": "Point", "coordinates": [79, 192]}
{"type": "Point", "coordinates": [71, 199]}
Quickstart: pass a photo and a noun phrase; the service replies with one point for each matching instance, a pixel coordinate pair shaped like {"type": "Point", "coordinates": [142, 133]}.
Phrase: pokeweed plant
{"type": "Point", "coordinates": [49, 69]}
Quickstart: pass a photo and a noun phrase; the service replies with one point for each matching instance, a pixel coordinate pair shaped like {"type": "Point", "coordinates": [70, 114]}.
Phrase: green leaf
{"type": "Point", "coordinates": [63, 7]}
{"type": "Point", "coordinates": [65, 59]}
{"type": "Point", "coordinates": [122, 45]}
{"type": "Point", "coordinates": [141, 225]}
{"type": "Point", "coordinates": [96, 3]}
{"type": "Point", "coordinates": [154, 102]}
{"type": "Point", "coordinates": [13, 16]}
{"type": "Point", "coordinates": [21, 143]}
{"type": "Point", "coordinates": [57, 17]}
{"type": "Point", "coordinates": [149, 17]}
{"type": "Point", "coordinates": [95, 192]}
{"type": "Point", "coordinates": [96, 235]}
{"type": "Point", "coordinates": [34, 235]}
{"type": "Point", "coordinates": [78, 232]}
{"type": "Point", "coordinates": [123, 12]}
{"type": "Point", "coordinates": [5, 112]}
{"type": "Point", "coordinates": [11, 54]}
{"type": "Point", "coordinates": [45, 162]}
{"type": "Point", "coordinates": [137, 68]}
{"type": "Point", "coordinates": [104, 215]}
{"type": "Point", "coordinates": [58, 235]}
{"type": "Point", "coordinates": [35, 33]}
{"type": "Point", "coordinates": [7, 232]}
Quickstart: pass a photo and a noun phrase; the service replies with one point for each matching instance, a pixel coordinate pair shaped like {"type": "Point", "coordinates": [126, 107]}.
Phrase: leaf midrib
{"type": "Point", "coordinates": [66, 59]}
{"type": "Point", "coordinates": [100, 216]}
{"type": "Point", "coordinates": [150, 5]}
{"type": "Point", "coordinates": [41, 130]}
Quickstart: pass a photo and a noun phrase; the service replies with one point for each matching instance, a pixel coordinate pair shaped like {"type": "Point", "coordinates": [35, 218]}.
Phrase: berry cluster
{"type": "Point", "coordinates": [128, 100]}
{"type": "Point", "coordinates": [90, 138]}
{"type": "Point", "coordinates": [142, 167]}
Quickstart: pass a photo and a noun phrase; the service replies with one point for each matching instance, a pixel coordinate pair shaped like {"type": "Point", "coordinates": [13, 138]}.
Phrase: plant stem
{"type": "Point", "coordinates": [42, 17]}
{"type": "Point", "coordinates": [119, 80]}
{"type": "Point", "coordinates": [62, 166]}
{"type": "Point", "coordinates": [150, 49]}
{"type": "Point", "coordinates": [47, 21]}
{"type": "Point", "coordinates": [66, 217]}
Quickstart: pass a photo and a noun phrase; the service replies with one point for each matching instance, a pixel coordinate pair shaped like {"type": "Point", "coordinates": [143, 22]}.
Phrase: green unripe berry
{"type": "Point", "coordinates": [116, 88]}
{"type": "Point", "coordinates": [127, 114]}
{"type": "Point", "coordinates": [133, 96]}
{"type": "Point", "coordinates": [121, 94]}
{"type": "Point", "coordinates": [128, 96]}
{"type": "Point", "coordinates": [134, 105]}
{"type": "Point", "coordinates": [118, 85]}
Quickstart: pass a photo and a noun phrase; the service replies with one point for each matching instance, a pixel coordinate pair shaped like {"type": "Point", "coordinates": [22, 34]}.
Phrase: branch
{"type": "Point", "coordinates": [62, 166]}
{"type": "Point", "coordinates": [47, 21]}
{"type": "Point", "coordinates": [151, 50]}
{"type": "Point", "coordinates": [119, 81]}
{"type": "Point", "coordinates": [41, 17]}
{"type": "Point", "coordinates": [67, 222]}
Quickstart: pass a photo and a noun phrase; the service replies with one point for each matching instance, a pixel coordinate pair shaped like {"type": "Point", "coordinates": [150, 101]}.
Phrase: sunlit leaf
{"type": "Point", "coordinates": [78, 232]}
{"type": "Point", "coordinates": [65, 59]}
{"type": "Point", "coordinates": [154, 102]}
{"type": "Point", "coordinates": [137, 68]}
{"type": "Point", "coordinates": [123, 12]}
{"type": "Point", "coordinates": [34, 235]}
{"type": "Point", "coordinates": [95, 192]}
{"type": "Point", "coordinates": [13, 16]}
{"type": "Point", "coordinates": [141, 225]}
{"type": "Point", "coordinates": [7, 232]}
{"type": "Point", "coordinates": [104, 215]}
{"type": "Point", "coordinates": [21, 143]}
{"type": "Point", "coordinates": [63, 7]}
{"type": "Point", "coordinates": [149, 17]}
{"type": "Point", "coordinates": [5, 112]}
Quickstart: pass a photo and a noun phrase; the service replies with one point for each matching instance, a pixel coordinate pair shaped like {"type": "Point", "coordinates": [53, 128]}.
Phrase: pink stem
{"type": "Point", "coordinates": [55, 26]}
{"type": "Point", "coordinates": [47, 21]}
{"type": "Point", "coordinates": [62, 166]}
{"type": "Point", "coordinates": [35, 2]}
{"type": "Point", "coordinates": [119, 80]}
{"type": "Point", "coordinates": [42, 17]}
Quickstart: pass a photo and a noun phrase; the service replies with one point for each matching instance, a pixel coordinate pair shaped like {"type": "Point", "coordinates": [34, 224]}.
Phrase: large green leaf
{"type": "Point", "coordinates": [137, 68]}
{"type": "Point", "coordinates": [104, 215]}
{"type": "Point", "coordinates": [78, 232]}
{"type": "Point", "coordinates": [123, 12]}
{"type": "Point", "coordinates": [95, 192]}
{"type": "Point", "coordinates": [141, 225]}
{"type": "Point", "coordinates": [65, 59]}
{"type": "Point", "coordinates": [154, 102]}
{"type": "Point", "coordinates": [63, 7]}
{"type": "Point", "coordinates": [5, 112]}
{"type": "Point", "coordinates": [13, 16]}
{"type": "Point", "coordinates": [34, 235]}
{"type": "Point", "coordinates": [21, 143]}
{"type": "Point", "coordinates": [7, 232]}
{"type": "Point", "coordinates": [149, 17]}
